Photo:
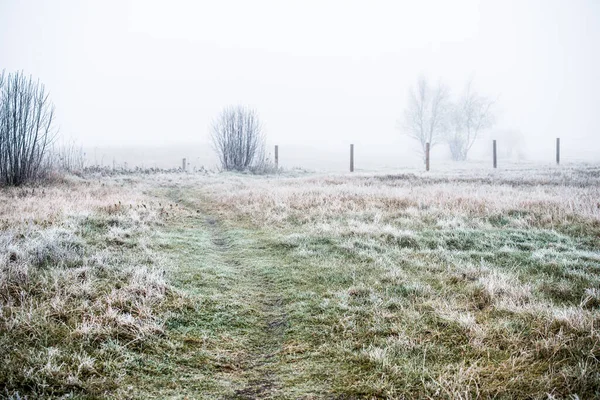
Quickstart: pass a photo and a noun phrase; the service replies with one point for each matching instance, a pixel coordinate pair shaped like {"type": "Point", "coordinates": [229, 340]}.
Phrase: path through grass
{"type": "Point", "coordinates": [231, 342]}
{"type": "Point", "coordinates": [237, 287]}
{"type": "Point", "coordinates": [364, 309]}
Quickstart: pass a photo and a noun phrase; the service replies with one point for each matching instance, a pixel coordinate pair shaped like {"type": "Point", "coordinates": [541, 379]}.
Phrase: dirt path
{"type": "Point", "coordinates": [258, 369]}
{"type": "Point", "coordinates": [253, 372]}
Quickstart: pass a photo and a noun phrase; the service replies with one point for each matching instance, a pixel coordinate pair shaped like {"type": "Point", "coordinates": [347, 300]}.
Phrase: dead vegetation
{"type": "Point", "coordinates": [467, 286]}
{"type": "Point", "coordinates": [453, 285]}
{"type": "Point", "coordinates": [73, 304]}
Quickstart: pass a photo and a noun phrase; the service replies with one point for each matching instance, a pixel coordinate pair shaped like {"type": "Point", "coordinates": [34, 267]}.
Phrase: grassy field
{"type": "Point", "coordinates": [456, 285]}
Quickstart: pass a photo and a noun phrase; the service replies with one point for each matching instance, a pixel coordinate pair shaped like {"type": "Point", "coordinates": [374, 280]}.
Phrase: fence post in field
{"type": "Point", "coordinates": [183, 164]}
{"type": "Point", "coordinates": [351, 158]}
{"type": "Point", "coordinates": [427, 156]}
{"type": "Point", "coordinates": [557, 151]}
{"type": "Point", "coordinates": [113, 163]}
{"type": "Point", "coordinates": [276, 156]}
{"type": "Point", "coordinates": [495, 158]}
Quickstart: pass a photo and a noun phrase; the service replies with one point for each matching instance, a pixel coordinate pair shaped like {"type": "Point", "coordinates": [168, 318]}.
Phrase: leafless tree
{"type": "Point", "coordinates": [470, 115]}
{"type": "Point", "coordinates": [238, 138]}
{"type": "Point", "coordinates": [425, 116]}
{"type": "Point", "coordinates": [26, 130]}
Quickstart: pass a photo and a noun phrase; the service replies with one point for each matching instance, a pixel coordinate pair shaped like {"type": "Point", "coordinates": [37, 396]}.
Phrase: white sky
{"type": "Point", "coordinates": [321, 73]}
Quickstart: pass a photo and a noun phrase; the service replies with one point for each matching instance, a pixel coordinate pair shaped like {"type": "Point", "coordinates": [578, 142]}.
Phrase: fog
{"type": "Point", "coordinates": [140, 81]}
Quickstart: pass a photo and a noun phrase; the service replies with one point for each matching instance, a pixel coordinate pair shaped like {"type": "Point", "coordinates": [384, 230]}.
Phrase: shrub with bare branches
{"type": "Point", "coordinates": [238, 138]}
{"type": "Point", "coordinates": [26, 128]}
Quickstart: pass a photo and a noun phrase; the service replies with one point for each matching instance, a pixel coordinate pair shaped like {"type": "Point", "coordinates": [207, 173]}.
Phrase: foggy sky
{"type": "Point", "coordinates": [320, 73]}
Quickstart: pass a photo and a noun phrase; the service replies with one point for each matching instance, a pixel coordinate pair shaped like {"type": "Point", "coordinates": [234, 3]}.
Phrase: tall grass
{"type": "Point", "coordinates": [452, 285]}
{"type": "Point", "coordinates": [462, 284]}
{"type": "Point", "coordinates": [74, 305]}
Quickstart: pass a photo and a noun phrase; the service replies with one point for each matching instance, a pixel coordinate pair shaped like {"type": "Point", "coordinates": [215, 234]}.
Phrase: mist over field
{"type": "Point", "coordinates": [150, 76]}
{"type": "Point", "coordinates": [397, 154]}
{"type": "Point", "coordinates": [334, 199]}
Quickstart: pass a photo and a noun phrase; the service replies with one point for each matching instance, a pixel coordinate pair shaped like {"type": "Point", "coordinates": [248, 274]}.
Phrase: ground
{"type": "Point", "coordinates": [456, 284]}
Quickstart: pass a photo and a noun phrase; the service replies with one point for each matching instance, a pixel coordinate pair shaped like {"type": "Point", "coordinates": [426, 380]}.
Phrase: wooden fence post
{"type": "Point", "coordinates": [183, 165]}
{"type": "Point", "coordinates": [276, 156]}
{"type": "Point", "coordinates": [495, 156]}
{"type": "Point", "coordinates": [557, 151]}
{"type": "Point", "coordinates": [427, 156]}
{"type": "Point", "coordinates": [351, 158]}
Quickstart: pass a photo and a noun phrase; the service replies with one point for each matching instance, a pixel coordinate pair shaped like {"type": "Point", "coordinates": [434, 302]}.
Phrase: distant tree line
{"type": "Point", "coordinates": [433, 117]}
{"type": "Point", "coordinates": [27, 130]}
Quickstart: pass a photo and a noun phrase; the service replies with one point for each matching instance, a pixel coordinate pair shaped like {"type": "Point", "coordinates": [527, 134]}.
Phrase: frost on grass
{"type": "Point", "coordinates": [73, 304]}
{"type": "Point", "coordinates": [459, 284]}
{"type": "Point", "coordinates": [463, 284]}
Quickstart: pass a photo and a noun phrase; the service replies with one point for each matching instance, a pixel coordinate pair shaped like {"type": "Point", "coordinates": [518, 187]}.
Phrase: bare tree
{"type": "Point", "coordinates": [470, 115]}
{"type": "Point", "coordinates": [425, 116]}
{"type": "Point", "coordinates": [26, 131]}
{"type": "Point", "coordinates": [238, 138]}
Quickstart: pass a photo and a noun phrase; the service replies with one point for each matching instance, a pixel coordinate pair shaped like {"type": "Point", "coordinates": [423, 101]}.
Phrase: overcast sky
{"type": "Point", "coordinates": [319, 72]}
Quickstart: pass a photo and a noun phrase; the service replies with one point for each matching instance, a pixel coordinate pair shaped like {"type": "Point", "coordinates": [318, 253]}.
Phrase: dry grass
{"type": "Point", "coordinates": [467, 202]}
{"type": "Point", "coordinates": [73, 304]}
{"type": "Point", "coordinates": [459, 284]}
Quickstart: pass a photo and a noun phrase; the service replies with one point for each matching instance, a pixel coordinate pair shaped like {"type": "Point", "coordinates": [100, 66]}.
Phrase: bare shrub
{"type": "Point", "coordinates": [238, 138]}
{"type": "Point", "coordinates": [26, 131]}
